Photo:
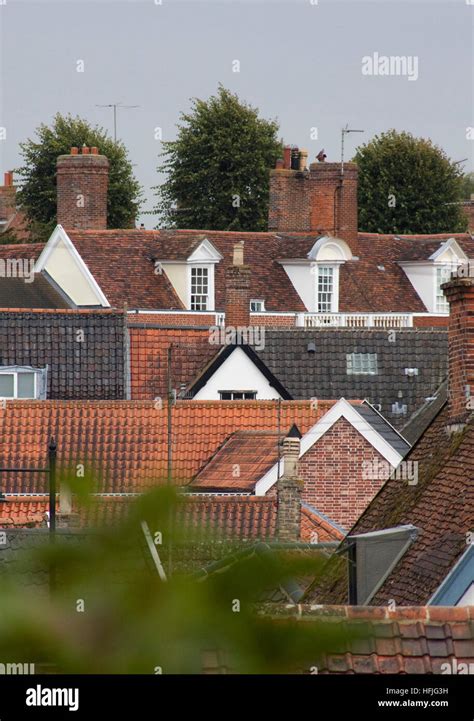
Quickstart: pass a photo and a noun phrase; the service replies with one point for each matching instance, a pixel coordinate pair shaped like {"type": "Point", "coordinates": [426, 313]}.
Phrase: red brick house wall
{"type": "Point", "coordinates": [332, 471]}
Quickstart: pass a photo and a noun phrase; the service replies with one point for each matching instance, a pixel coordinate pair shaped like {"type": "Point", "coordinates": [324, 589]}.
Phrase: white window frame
{"type": "Point", "coordinates": [233, 392]}
{"type": "Point", "coordinates": [257, 300]}
{"type": "Point", "coordinates": [441, 304]}
{"type": "Point", "coordinates": [15, 372]}
{"type": "Point", "coordinates": [210, 285]}
{"type": "Point", "coordinates": [362, 364]}
{"type": "Point", "coordinates": [205, 270]}
{"type": "Point", "coordinates": [334, 303]}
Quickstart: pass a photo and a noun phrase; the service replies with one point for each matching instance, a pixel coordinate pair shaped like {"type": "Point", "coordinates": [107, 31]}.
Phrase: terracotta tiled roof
{"type": "Point", "coordinates": [241, 518]}
{"type": "Point", "coordinates": [149, 358]}
{"type": "Point", "coordinates": [408, 640]}
{"type": "Point", "coordinates": [239, 463]}
{"type": "Point", "coordinates": [122, 263]}
{"type": "Point", "coordinates": [124, 444]}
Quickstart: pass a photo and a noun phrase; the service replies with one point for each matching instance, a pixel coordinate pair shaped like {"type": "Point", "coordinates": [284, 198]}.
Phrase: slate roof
{"type": "Point", "coordinates": [93, 368]}
{"type": "Point", "coordinates": [384, 429]}
{"type": "Point", "coordinates": [440, 506]}
{"type": "Point", "coordinates": [124, 444]}
{"type": "Point", "coordinates": [408, 640]}
{"type": "Point", "coordinates": [323, 374]}
{"type": "Point", "coordinates": [16, 293]}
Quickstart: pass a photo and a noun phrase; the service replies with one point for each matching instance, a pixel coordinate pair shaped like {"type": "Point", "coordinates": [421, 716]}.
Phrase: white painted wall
{"type": "Point", "coordinates": [237, 373]}
{"type": "Point", "coordinates": [178, 276]}
{"type": "Point", "coordinates": [422, 279]}
{"type": "Point", "coordinates": [65, 271]}
{"type": "Point", "coordinates": [304, 283]}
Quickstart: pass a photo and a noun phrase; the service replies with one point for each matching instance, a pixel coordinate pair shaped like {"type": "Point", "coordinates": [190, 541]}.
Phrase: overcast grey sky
{"type": "Point", "coordinates": [299, 62]}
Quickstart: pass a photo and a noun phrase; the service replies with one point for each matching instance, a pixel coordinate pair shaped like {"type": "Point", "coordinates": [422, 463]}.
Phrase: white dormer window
{"type": "Point", "coordinates": [257, 306]}
{"type": "Point", "coordinates": [199, 288]}
{"type": "Point", "coordinates": [443, 274]}
{"type": "Point", "coordinates": [325, 289]}
{"type": "Point", "coordinates": [22, 382]}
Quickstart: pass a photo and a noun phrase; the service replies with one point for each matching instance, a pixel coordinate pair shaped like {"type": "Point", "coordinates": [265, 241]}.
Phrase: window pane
{"type": "Point", "coordinates": [26, 385]}
{"type": "Point", "coordinates": [6, 385]}
{"type": "Point", "coordinates": [361, 364]}
{"type": "Point", "coordinates": [199, 288]}
{"type": "Point", "coordinates": [325, 289]}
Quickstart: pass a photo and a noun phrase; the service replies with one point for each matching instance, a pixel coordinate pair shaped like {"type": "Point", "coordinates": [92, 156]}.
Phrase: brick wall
{"type": "Point", "coordinates": [332, 473]}
{"type": "Point", "coordinates": [431, 321]}
{"type": "Point", "coordinates": [7, 197]}
{"type": "Point", "coordinates": [315, 201]}
{"type": "Point", "coordinates": [82, 184]}
{"type": "Point", "coordinates": [237, 296]}
{"type": "Point", "coordinates": [460, 294]}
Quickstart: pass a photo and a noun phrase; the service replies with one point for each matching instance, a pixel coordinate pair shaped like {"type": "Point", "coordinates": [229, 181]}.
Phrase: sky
{"type": "Point", "coordinates": [303, 62]}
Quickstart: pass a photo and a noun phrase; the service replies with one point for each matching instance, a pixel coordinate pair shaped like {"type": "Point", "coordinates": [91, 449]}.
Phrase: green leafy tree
{"type": "Point", "coordinates": [218, 167]}
{"type": "Point", "coordinates": [37, 194]}
{"type": "Point", "coordinates": [408, 185]}
{"type": "Point", "coordinates": [467, 187]}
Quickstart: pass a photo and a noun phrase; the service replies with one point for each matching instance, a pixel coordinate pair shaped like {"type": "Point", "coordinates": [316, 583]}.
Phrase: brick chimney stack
{"type": "Point", "coordinates": [237, 290]}
{"type": "Point", "coordinates": [321, 200]}
{"type": "Point", "coordinates": [460, 293]}
{"type": "Point", "coordinates": [7, 197]}
{"type": "Point", "coordinates": [82, 184]}
{"type": "Point", "coordinates": [289, 489]}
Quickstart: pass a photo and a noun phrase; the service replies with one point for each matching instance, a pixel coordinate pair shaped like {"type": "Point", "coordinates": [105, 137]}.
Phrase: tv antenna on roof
{"type": "Point", "coordinates": [115, 106]}
{"type": "Point", "coordinates": [344, 131]}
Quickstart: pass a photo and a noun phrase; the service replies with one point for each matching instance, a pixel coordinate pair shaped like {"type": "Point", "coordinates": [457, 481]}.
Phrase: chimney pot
{"type": "Point", "coordinates": [303, 159]}
{"type": "Point", "coordinates": [85, 150]}
{"type": "Point", "coordinates": [287, 157]}
{"type": "Point", "coordinates": [74, 151]}
{"type": "Point", "coordinates": [94, 150]}
{"type": "Point", "coordinates": [280, 164]}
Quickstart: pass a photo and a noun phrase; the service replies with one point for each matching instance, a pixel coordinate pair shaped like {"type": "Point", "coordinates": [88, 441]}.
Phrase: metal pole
{"type": "Point", "coordinates": [115, 123]}
{"type": "Point", "coordinates": [52, 487]}
{"type": "Point", "coordinates": [170, 456]}
{"type": "Point", "coordinates": [52, 509]}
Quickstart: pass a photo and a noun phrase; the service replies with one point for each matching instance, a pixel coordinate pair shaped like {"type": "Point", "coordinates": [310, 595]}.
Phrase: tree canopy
{"type": "Point", "coordinates": [408, 185]}
{"type": "Point", "coordinates": [37, 194]}
{"type": "Point", "coordinates": [218, 167]}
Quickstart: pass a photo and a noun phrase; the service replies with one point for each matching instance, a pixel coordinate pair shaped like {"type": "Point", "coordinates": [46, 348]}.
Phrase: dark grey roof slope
{"type": "Point", "coordinates": [39, 293]}
{"type": "Point", "coordinates": [422, 418]}
{"type": "Point", "coordinates": [83, 350]}
{"type": "Point", "coordinates": [383, 428]}
{"type": "Point", "coordinates": [323, 373]}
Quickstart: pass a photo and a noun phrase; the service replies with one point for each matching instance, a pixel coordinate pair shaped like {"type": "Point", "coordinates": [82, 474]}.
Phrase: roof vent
{"type": "Point", "coordinates": [399, 409]}
{"type": "Point", "coordinates": [410, 372]}
{"type": "Point", "coordinates": [311, 347]}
